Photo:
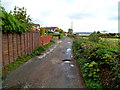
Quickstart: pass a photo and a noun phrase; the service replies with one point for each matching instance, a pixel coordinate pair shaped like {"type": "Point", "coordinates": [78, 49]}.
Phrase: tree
{"type": "Point", "coordinates": [94, 32]}
{"type": "Point", "coordinates": [98, 32]}
{"type": "Point", "coordinates": [21, 15]}
{"type": "Point", "coordinates": [10, 24]}
{"type": "Point", "coordinates": [70, 31]}
{"type": "Point", "coordinates": [42, 31]}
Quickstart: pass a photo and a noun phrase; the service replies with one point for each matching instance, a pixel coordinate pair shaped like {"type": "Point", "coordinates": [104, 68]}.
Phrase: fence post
{"type": "Point", "coordinates": [1, 62]}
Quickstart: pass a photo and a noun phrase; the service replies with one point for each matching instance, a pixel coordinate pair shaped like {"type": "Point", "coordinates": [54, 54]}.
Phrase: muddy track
{"type": "Point", "coordinates": [55, 68]}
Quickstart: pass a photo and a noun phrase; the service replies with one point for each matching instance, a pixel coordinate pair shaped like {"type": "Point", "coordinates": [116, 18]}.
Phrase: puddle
{"type": "Point", "coordinates": [68, 42]}
{"type": "Point", "coordinates": [71, 65]}
{"type": "Point", "coordinates": [71, 56]}
{"type": "Point", "coordinates": [68, 49]}
{"type": "Point", "coordinates": [68, 53]}
{"type": "Point", "coordinates": [67, 62]}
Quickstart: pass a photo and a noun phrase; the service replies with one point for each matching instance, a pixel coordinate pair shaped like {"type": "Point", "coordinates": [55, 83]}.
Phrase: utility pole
{"type": "Point", "coordinates": [72, 25]}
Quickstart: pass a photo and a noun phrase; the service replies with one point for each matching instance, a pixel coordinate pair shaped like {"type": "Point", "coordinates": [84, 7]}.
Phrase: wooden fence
{"type": "Point", "coordinates": [14, 45]}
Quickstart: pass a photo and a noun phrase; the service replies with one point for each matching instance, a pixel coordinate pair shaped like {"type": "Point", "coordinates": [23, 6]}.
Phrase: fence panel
{"type": "Point", "coordinates": [5, 49]}
{"type": "Point", "coordinates": [15, 45]}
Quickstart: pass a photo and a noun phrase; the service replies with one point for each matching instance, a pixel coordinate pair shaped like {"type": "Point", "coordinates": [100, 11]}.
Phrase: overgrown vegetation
{"type": "Point", "coordinates": [99, 61]}
{"type": "Point", "coordinates": [21, 15]}
{"type": "Point", "coordinates": [94, 37]}
{"type": "Point", "coordinates": [14, 23]}
{"type": "Point", "coordinates": [22, 59]}
{"type": "Point", "coordinates": [42, 31]}
{"type": "Point", "coordinates": [60, 33]}
{"type": "Point", "coordinates": [70, 31]}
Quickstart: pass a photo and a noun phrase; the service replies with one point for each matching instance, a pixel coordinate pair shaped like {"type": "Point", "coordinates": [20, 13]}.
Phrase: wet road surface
{"type": "Point", "coordinates": [54, 68]}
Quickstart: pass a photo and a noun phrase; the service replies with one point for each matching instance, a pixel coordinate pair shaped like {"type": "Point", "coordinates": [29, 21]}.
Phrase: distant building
{"type": "Point", "coordinates": [83, 33]}
{"type": "Point", "coordinates": [53, 29]}
{"type": "Point", "coordinates": [36, 27]}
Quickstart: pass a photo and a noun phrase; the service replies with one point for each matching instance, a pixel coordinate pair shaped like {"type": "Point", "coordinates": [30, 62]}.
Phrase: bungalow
{"type": "Point", "coordinates": [36, 27]}
{"type": "Point", "coordinates": [53, 29]}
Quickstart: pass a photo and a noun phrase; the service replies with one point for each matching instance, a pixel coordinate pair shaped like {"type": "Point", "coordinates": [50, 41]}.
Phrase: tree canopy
{"type": "Point", "coordinates": [70, 31]}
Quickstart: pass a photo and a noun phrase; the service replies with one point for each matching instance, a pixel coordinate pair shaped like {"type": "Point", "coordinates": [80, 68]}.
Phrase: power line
{"type": "Point", "coordinates": [89, 1]}
{"type": "Point", "coordinates": [86, 6]}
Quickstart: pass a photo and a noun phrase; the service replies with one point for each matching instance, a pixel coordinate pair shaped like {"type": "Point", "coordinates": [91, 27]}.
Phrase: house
{"type": "Point", "coordinates": [53, 29]}
{"type": "Point", "coordinates": [36, 27]}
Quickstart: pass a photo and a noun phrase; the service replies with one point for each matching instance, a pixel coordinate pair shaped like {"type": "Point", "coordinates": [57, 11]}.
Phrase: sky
{"type": "Point", "coordinates": [85, 15]}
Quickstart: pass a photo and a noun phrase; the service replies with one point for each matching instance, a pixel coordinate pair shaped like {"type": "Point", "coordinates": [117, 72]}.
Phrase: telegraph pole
{"type": "Point", "coordinates": [72, 25]}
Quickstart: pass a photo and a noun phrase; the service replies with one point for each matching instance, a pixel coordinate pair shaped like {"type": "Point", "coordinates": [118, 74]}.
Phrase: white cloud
{"type": "Point", "coordinates": [87, 15]}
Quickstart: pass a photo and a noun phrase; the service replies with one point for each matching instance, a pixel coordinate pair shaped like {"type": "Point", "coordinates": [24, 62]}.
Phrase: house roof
{"type": "Point", "coordinates": [36, 25]}
{"type": "Point", "coordinates": [49, 27]}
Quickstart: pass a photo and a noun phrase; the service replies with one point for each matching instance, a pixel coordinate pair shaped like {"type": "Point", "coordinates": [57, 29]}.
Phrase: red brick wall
{"type": "Point", "coordinates": [14, 45]}
{"type": "Point", "coordinates": [45, 40]}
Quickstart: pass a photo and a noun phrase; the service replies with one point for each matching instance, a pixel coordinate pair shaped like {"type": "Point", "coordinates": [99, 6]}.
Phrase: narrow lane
{"type": "Point", "coordinates": [55, 68]}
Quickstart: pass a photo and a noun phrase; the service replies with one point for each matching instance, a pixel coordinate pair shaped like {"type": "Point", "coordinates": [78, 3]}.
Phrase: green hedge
{"type": "Point", "coordinates": [59, 35]}
{"type": "Point", "coordinates": [99, 63]}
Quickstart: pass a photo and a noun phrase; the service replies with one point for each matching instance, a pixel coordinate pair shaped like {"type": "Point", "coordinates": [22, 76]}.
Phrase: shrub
{"type": "Point", "coordinates": [21, 15]}
{"type": "Point", "coordinates": [94, 38]}
{"type": "Point", "coordinates": [42, 31]}
{"type": "Point", "coordinates": [99, 63]}
{"type": "Point", "coordinates": [58, 35]}
{"type": "Point", "coordinates": [10, 24]}
{"type": "Point", "coordinates": [52, 41]}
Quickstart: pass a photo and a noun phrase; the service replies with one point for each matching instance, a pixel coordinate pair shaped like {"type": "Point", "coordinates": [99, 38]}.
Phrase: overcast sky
{"type": "Point", "coordinates": [86, 15]}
